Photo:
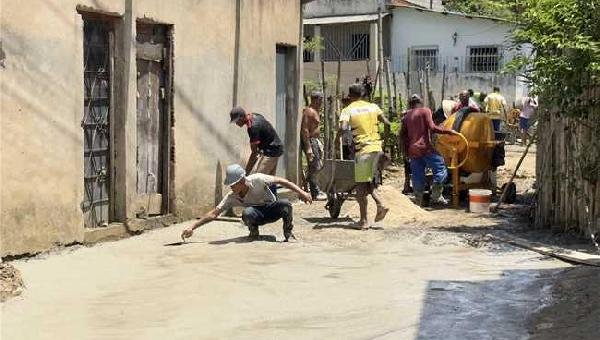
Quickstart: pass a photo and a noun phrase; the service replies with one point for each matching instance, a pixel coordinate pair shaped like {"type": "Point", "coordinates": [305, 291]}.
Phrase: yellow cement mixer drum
{"type": "Point", "coordinates": [478, 131]}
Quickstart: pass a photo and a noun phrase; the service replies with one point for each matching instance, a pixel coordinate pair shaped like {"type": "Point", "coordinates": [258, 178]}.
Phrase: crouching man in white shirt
{"type": "Point", "coordinates": [261, 206]}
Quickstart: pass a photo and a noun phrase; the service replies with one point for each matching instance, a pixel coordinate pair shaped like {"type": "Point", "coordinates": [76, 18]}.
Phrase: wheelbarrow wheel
{"type": "Point", "coordinates": [334, 205]}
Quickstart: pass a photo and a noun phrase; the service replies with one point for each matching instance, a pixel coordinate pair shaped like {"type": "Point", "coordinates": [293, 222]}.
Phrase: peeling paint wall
{"type": "Point", "coordinates": [41, 139]}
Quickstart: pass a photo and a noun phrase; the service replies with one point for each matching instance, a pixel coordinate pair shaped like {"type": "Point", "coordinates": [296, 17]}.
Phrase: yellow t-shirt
{"type": "Point", "coordinates": [363, 119]}
{"type": "Point", "coordinates": [495, 105]}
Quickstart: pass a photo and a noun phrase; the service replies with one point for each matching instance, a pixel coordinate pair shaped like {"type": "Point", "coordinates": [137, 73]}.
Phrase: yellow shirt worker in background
{"type": "Point", "coordinates": [363, 119]}
{"type": "Point", "coordinates": [495, 105]}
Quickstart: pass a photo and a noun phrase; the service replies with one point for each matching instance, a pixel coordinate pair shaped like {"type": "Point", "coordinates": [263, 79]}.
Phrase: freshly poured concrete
{"type": "Point", "coordinates": [398, 283]}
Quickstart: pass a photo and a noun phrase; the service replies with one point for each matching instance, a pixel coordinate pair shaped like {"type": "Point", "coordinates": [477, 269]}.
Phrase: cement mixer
{"type": "Point", "coordinates": [469, 154]}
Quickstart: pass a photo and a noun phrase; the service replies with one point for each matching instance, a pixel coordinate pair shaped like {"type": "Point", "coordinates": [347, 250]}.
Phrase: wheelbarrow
{"type": "Point", "coordinates": [336, 179]}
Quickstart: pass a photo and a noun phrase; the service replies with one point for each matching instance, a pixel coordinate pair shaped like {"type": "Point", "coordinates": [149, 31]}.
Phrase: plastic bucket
{"type": "Point", "coordinates": [479, 200]}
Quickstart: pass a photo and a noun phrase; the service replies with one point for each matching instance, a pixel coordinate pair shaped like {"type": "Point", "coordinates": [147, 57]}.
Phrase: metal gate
{"type": "Point", "coordinates": [97, 47]}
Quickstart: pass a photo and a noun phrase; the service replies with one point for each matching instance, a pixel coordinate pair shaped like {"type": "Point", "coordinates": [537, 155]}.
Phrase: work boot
{"type": "Point", "coordinates": [287, 232]}
{"type": "Point", "coordinates": [253, 232]}
{"type": "Point", "coordinates": [436, 194]}
{"type": "Point", "coordinates": [418, 199]}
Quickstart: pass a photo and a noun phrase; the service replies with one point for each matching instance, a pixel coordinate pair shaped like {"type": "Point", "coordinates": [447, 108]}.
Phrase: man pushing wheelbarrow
{"type": "Point", "coordinates": [363, 119]}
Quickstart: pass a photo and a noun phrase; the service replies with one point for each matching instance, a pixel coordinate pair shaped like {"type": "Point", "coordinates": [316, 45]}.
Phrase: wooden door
{"type": "Point", "coordinates": [152, 145]}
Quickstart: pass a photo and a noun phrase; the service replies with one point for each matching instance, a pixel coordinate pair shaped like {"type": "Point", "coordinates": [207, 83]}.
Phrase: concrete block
{"type": "Point", "coordinates": [114, 231]}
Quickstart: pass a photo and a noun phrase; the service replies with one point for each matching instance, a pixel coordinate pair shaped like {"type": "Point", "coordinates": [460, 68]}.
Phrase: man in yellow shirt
{"type": "Point", "coordinates": [363, 119]}
{"type": "Point", "coordinates": [496, 107]}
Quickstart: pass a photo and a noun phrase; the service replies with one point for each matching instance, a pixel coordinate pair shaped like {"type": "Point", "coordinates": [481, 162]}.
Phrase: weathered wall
{"type": "Point", "coordinates": [325, 8]}
{"type": "Point", "coordinates": [350, 70]}
{"type": "Point", "coordinates": [437, 29]}
{"type": "Point", "coordinates": [456, 82]}
{"type": "Point", "coordinates": [41, 140]}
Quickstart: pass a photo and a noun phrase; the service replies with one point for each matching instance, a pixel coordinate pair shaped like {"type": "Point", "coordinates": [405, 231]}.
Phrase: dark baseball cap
{"type": "Point", "coordinates": [236, 113]}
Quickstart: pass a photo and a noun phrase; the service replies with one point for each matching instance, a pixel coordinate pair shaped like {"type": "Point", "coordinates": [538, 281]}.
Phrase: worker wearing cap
{"type": "Point", "coordinates": [263, 140]}
{"type": "Point", "coordinates": [362, 118]}
{"type": "Point", "coordinates": [261, 206]}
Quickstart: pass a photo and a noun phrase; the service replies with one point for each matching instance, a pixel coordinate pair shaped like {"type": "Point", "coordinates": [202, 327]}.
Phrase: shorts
{"type": "Point", "coordinates": [523, 123]}
{"type": "Point", "coordinates": [365, 167]}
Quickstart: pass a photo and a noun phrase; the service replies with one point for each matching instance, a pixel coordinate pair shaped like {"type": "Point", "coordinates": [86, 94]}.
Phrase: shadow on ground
{"type": "Point", "coordinates": [494, 309]}
{"type": "Point", "coordinates": [245, 239]}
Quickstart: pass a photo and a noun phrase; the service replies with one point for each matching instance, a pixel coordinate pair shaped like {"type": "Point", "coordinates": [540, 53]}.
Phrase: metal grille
{"type": "Point", "coordinates": [483, 59]}
{"type": "Point", "coordinates": [95, 122]}
{"type": "Point", "coordinates": [346, 42]}
{"type": "Point", "coordinates": [423, 58]}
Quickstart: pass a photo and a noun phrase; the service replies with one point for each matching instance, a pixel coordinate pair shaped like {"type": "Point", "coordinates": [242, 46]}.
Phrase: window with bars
{"type": "Point", "coordinates": [421, 58]}
{"type": "Point", "coordinates": [347, 42]}
{"type": "Point", "coordinates": [483, 59]}
{"type": "Point", "coordinates": [360, 46]}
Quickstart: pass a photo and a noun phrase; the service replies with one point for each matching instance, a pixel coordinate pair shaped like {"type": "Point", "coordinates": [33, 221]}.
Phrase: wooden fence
{"type": "Point", "coordinates": [568, 170]}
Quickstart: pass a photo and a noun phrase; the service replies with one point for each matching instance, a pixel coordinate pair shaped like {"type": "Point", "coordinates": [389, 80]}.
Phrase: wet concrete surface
{"type": "Point", "coordinates": [419, 275]}
{"type": "Point", "coordinates": [401, 282]}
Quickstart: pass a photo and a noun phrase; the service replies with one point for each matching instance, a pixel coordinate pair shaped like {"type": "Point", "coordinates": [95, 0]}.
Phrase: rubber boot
{"type": "Point", "coordinates": [287, 232]}
{"type": "Point", "coordinates": [494, 182]}
{"type": "Point", "coordinates": [436, 194]}
{"type": "Point", "coordinates": [418, 200]}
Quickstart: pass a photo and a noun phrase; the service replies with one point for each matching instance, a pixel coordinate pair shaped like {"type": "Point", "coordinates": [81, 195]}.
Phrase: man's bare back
{"type": "Point", "coordinates": [310, 122]}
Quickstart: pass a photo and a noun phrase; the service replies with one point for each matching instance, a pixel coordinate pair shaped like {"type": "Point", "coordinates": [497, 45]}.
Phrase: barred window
{"type": "Point", "coordinates": [483, 59]}
{"type": "Point", "coordinates": [346, 41]}
{"type": "Point", "coordinates": [422, 57]}
{"type": "Point", "coordinates": [360, 46]}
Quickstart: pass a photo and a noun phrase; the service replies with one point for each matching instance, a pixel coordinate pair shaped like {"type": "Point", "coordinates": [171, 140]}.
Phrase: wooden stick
{"type": "Point", "coordinates": [503, 196]}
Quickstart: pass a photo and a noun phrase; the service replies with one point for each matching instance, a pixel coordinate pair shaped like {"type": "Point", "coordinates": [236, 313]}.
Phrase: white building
{"type": "Point", "coordinates": [473, 49]}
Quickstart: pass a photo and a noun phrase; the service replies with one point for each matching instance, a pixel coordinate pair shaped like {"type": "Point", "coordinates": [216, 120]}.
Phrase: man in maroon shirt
{"type": "Point", "coordinates": [463, 101]}
{"type": "Point", "coordinates": [417, 126]}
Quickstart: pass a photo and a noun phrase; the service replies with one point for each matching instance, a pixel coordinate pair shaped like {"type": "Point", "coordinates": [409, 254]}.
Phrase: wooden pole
{"type": "Point", "coordinates": [443, 84]}
{"type": "Point", "coordinates": [398, 148]}
{"type": "Point", "coordinates": [390, 108]}
{"type": "Point", "coordinates": [325, 107]}
{"type": "Point", "coordinates": [335, 113]}
{"type": "Point", "coordinates": [380, 43]}
{"type": "Point", "coordinates": [430, 99]}
{"type": "Point", "coordinates": [375, 83]}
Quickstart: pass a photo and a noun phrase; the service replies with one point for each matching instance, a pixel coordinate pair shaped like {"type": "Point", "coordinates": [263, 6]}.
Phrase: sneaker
{"type": "Point", "coordinates": [321, 196]}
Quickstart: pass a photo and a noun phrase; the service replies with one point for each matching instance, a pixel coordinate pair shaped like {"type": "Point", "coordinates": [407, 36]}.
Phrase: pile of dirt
{"type": "Point", "coordinates": [11, 284]}
{"type": "Point", "coordinates": [402, 209]}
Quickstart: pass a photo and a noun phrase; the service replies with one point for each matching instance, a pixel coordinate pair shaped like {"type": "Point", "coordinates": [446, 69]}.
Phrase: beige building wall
{"type": "Point", "coordinates": [41, 139]}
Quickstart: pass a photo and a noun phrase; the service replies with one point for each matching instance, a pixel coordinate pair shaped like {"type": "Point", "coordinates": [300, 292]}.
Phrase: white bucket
{"type": "Point", "coordinates": [479, 200]}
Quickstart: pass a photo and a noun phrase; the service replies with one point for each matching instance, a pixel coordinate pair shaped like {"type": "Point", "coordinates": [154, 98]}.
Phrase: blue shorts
{"type": "Point", "coordinates": [523, 123]}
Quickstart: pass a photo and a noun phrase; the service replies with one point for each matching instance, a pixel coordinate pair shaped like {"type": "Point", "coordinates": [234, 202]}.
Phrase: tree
{"type": "Point", "coordinates": [503, 9]}
{"type": "Point", "coordinates": [565, 55]}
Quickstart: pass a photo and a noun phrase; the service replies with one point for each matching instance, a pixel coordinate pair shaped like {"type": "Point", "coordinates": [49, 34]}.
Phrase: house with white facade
{"type": "Point", "coordinates": [464, 51]}
{"type": "Point", "coordinates": [459, 51]}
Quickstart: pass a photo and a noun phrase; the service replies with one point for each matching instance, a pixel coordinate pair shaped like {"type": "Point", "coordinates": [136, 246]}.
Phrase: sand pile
{"type": "Point", "coordinates": [11, 283]}
{"type": "Point", "coordinates": [402, 209]}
